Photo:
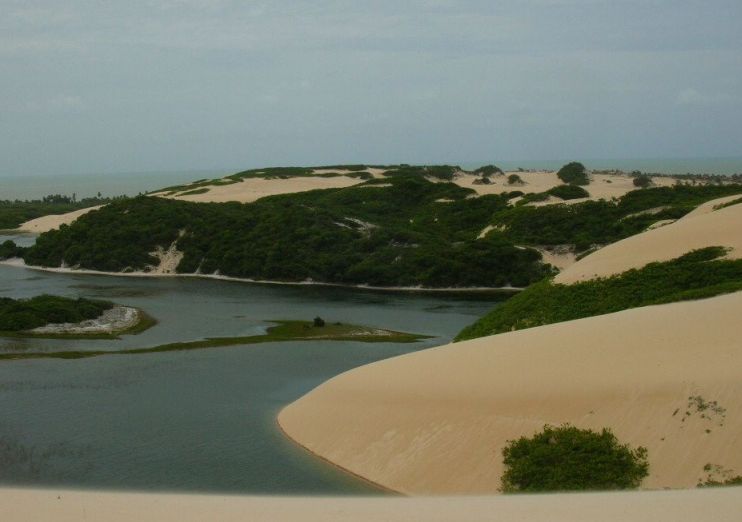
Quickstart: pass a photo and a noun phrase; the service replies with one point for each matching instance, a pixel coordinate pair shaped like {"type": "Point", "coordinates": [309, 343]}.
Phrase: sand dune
{"type": "Point", "coordinates": [23, 505]}
{"type": "Point", "coordinates": [252, 189]}
{"type": "Point", "coordinates": [54, 221]}
{"type": "Point", "coordinates": [706, 228]}
{"type": "Point", "coordinates": [435, 422]}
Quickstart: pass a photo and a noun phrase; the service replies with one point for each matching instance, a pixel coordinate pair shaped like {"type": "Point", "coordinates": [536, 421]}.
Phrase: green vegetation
{"type": "Point", "coordinates": [14, 213]}
{"type": "Point", "coordinates": [728, 204]}
{"type": "Point", "coordinates": [601, 222]}
{"type": "Point", "coordinates": [568, 192]}
{"type": "Point", "coordinates": [25, 314]}
{"type": "Point", "coordinates": [718, 476]}
{"type": "Point", "coordinates": [397, 235]}
{"type": "Point", "coordinates": [9, 249]}
{"type": "Point", "coordinates": [283, 331]}
{"type": "Point", "coordinates": [566, 458]}
{"type": "Point", "coordinates": [641, 180]}
{"type": "Point", "coordinates": [514, 179]}
{"type": "Point", "coordinates": [695, 275]}
{"type": "Point", "coordinates": [401, 230]}
{"type": "Point", "coordinates": [488, 170]}
{"type": "Point", "coordinates": [574, 173]}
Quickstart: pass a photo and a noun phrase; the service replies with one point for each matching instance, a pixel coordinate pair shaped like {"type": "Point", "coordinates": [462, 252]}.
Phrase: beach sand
{"type": "Point", "coordinates": [24, 505]}
{"type": "Point", "coordinates": [435, 421]}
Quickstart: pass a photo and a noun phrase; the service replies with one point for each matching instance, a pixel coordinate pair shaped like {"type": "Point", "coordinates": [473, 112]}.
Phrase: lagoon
{"type": "Point", "coordinates": [201, 420]}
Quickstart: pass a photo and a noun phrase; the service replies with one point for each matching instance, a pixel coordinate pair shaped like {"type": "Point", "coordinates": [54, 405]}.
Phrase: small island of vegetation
{"type": "Point", "coordinates": [62, 317]}
{"type": "Point", "coordinates": [282, 331]}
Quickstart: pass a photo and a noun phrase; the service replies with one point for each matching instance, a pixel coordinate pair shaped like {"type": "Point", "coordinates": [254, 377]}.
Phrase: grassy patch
{"type": "Point", "coordinates": [283, 331]}
{"type": "Point", "coordinates": [696, 275]}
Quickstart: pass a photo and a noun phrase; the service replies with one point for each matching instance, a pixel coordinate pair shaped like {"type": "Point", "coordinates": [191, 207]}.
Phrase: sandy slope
{"type": "Point", "coordinates": [705, 228]}
{"type": "Point", "coordinates": [54, 221]}
{"type": "Point", "coordinates": [719, 505]}
{"type": "Point", "coordinates": [252, 189]}
{"type": "Point", "coordinates": [602, 186]}
{"type": "Point", "coordinates": [435, 421]}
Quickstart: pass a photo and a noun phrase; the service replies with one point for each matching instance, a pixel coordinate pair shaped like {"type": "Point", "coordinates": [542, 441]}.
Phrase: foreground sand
{"type": "Point", "coordinates": [23, 505]}
{"type": "Point", "coordinates": [435, 421]}
{"type": "Point", "coordinates": [703, 228]}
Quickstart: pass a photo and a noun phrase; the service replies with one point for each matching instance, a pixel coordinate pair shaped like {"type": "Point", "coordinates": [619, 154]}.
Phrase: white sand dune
{"type": "Point", "coordinates": [252, 189]}
{"type": "Point", "coordinates": [435, 421]}
{"type": "Point", "coordinates": [54, 221]}
{"type": "Point", "coordinates": [706, 228]}
{"type": "Point", "coordinates": [24, 505]}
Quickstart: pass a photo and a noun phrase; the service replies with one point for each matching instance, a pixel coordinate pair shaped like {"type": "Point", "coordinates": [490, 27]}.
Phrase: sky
{"type": "Point", "coordinates": [114, 86]}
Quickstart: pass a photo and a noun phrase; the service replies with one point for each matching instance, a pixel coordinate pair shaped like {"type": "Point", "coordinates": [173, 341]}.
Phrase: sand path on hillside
{"type": "Point", "coordinates": [435, 421]}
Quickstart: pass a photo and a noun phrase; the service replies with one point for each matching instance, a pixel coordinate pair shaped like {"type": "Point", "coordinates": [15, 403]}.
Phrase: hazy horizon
{"type": "Point", "coordinates": [189, 85]}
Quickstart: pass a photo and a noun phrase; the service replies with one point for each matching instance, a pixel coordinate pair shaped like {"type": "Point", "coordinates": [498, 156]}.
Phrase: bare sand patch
{"type": "Point", "coordinates": [23, 505]}
{"type": "Point", "coordinates": [435, 421]}
{"type": "Point", "coordinates": [54, 221]}
{"type": "Point", "coordinates": [252, 189]}
{"type": "Point", "coordinates": [721, 227]}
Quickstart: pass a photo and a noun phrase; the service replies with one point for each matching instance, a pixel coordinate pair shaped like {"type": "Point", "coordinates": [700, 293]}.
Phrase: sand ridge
{"type": "Point", "coordinates": [706, 228]}
{"type": "Point", "coordinates": [54, 221]}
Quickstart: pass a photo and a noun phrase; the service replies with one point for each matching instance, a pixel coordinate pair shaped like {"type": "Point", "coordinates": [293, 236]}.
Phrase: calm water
{"type": "Point", "coordinates": [199, 420]}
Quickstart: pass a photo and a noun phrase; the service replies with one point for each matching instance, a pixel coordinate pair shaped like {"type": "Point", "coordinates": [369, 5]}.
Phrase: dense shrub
{"type": "Point", "coordinates": [567, 458]}
{"type": "Point", "coordinates": [574, 173]}
{"type": "Point", "coordinates": [568, 192]}
{"type": "Point", "coordinates": [642, 180]}
{"type": "Point", "coordinates": [514, 179]}
{"type": "Point", "coordinates": [25, 314]}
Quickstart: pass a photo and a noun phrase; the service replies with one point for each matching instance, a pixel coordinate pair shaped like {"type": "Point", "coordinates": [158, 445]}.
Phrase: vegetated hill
{"type": "Point", "coordinates": [400, 230]}
{"type": "Point", "coordinates": [412, 232]}
{"type": "Point", "coordinates": [574, 173]}
{"type": "Point", "coordinates": [695, 275]}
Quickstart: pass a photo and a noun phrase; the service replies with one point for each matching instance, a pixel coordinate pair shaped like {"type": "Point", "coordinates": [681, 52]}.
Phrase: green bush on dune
{"type": "Point", "coordinates": [696, 275]}
{"type": "Point", "coordinates": [574, 173]}
{"type": "Point", "coordinates": [566, 458]}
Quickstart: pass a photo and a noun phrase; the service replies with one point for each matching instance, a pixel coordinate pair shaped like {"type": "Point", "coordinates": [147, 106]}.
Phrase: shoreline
{"type": "Point", "coordinates": [19, 263]}
{"type": "Point", "coordinates": [380, 487]}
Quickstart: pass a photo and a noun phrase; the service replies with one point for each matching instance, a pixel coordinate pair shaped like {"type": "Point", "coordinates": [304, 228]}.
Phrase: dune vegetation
{"type": "Point", "coordinates": [698, 274]}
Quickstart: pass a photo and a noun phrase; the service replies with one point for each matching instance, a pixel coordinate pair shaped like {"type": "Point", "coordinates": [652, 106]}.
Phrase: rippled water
{"type": "Point", "coordinates": [198, 420]}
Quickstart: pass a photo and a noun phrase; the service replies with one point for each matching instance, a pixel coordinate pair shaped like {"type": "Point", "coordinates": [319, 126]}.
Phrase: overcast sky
{"type": "Point", "coordinates": [88, 86]}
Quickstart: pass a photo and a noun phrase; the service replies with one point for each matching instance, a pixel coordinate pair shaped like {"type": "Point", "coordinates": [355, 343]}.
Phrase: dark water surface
{"type": "Point", "coordinates": [199, 420]}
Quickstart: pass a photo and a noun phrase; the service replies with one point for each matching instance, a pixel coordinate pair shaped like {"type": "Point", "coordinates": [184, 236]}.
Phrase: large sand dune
{"type": "Point", "coordinates": [435, 422]}
{"type": "Point", "coordinates": [53, 221]}
{"type": "Point", "coordinates": [24, 505]}
{"type": "Point", "coordinates": [706, 227]}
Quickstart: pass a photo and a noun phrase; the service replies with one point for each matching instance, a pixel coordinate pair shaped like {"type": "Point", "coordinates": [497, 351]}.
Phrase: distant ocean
{"type": "Point", "coordinates": [132, 183]}
{"type": "Point", "coordinates": [108, 184]}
